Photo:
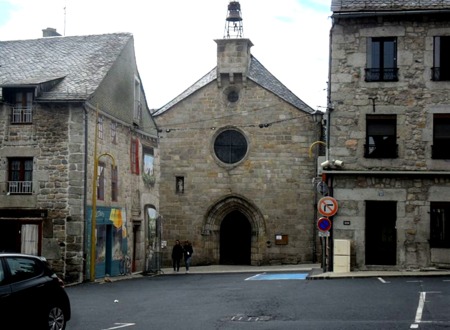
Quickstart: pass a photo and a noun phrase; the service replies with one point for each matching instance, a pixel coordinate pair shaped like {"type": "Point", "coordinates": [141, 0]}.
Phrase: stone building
{"type": "Point", "coordinates": [235, 169]}
{"type": "Point", "coordinates": [50, 90]}
{"type": "Point", "coordinates": [390, 125]}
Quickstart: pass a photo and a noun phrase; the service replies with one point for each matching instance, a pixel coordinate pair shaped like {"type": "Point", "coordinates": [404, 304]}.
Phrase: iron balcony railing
{"type": "Point", "coordinates": [20, 187]}
{"type": "Point", "coordinates": [390, 74]}
{"type": "Point", "coordinates": [384, 151]}
{"type": "Point", "coordinates": [440, 74]}
{"type": "Point", "coordinates": [22, 115]}
{"type": "Point", "coordinates": [440, 152]}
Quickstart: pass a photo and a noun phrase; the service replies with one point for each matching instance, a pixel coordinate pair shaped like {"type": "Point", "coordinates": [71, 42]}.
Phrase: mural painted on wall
{"type": "Point", "coordinates": [111, 240]}
{"type": "Point", "coordinates": [148, 174]}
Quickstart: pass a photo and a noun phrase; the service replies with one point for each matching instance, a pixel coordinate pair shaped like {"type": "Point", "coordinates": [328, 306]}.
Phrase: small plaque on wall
{"type": "Point", "coordinates": [281, 239]}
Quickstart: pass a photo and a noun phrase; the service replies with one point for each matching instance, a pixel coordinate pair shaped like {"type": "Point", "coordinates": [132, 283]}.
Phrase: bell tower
{"type": "Point", "coordinates": [233, 51]}
{"type": "Point", "coordinates": [233, 24]}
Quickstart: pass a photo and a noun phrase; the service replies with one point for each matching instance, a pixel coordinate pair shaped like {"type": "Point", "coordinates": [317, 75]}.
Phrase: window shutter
{"type": "Point", "coordinates": [369, 53]}
{"type": "Point", "coordinates": [137, 156]}
{"type": "Point", "coordinates": [437, 52]}
{"type": "Point", "coordinates": [131, 156]}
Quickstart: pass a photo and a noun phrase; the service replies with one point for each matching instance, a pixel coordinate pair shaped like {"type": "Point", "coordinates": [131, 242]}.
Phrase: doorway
{"type": "Point", "coordinates": [381, 234]}
{"type": "Point", "coordinates": [235, 239]}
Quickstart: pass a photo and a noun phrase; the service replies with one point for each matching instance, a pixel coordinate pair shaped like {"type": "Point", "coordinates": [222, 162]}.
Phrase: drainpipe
{"type": "Point", "coordinates": [86, 126]}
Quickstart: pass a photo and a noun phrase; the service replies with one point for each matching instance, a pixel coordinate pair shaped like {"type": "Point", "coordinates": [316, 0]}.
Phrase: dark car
{"type": "Point", "coordinates": [31, 294]}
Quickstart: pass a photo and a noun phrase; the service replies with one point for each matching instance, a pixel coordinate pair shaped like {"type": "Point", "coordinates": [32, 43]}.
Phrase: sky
{"type": "Point", "coordinates": [174, 39]}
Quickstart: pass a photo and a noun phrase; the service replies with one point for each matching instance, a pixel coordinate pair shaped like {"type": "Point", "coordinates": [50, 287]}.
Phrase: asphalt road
{"type": "Point", "coordinates": [229, 301]}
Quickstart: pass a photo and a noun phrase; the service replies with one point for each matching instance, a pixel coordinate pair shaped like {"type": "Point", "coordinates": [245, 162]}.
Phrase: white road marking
{"type": "Point", "coordinates": [121, 325]}
{"type": "Point", "coordinates": [247, 279]}
{"type": "Point", "coordinates": [240, 318]}
{"type": "Point", "coordinates": [414, 326]}
{"type": "Point", "coordinates": [383, 281]}
{"type": "Point", "coordinates": [446, 280]}
{"type": "Point", "coordinates": [420, 307]}
{"type": "Point", "coordinates": [233, 318]}
{"type": "Point", "coordinates": [414, 281]}
{"type": "Point", "coordinates": [257, 318]}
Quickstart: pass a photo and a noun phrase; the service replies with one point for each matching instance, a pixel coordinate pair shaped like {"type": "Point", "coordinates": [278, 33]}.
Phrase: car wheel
{"type": "Point", "coordinates": [56, 319]}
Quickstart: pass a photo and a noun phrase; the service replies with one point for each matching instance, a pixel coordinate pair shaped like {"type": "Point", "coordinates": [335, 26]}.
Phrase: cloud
{"type": "Point", "coordinates": [174, 39]}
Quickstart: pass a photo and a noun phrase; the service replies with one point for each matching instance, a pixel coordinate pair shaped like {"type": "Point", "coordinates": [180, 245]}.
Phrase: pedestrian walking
{"type": "Point", "coordinates": [177, 255]}
{"type": "Point", "coordinates": [188, 252]}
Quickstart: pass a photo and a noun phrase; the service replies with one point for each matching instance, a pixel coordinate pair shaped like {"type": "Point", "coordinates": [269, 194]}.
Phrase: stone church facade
{"type": "Point", "coordinates": [390, 125]}
{"type": "Point", "coordinates": [235, 167]}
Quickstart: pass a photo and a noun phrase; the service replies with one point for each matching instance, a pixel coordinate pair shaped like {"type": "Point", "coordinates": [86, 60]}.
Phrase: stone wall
{"type": "Point", "coordinates": [414, 98]}
{"type": "Point", "coordinates": [413, 195]}
{"type": "Point", "coordinates": [272, 184]}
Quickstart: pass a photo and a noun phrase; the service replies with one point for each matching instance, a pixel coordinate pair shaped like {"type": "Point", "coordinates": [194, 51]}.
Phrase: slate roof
{"type": "Point", "coordinates": [83, 61]}
{"type": "Point", "coordinates": [387, 5]}
{"type": "Point", "coordinates": [259, 74]}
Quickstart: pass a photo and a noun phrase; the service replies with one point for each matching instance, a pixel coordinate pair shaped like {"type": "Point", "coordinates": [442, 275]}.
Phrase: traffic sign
{"type": "Point", "coordinates": [327, 206]}
{"type": "Point", "coordinates": [324, 224]}
{"type": "Point", "coordinates": [322, 188]}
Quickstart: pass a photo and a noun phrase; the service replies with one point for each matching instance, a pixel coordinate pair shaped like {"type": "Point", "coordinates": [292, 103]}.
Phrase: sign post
{"type": "Point", "coordinates": [328, 207]}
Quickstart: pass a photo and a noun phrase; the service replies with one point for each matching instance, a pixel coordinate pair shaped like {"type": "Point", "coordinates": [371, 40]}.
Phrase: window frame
{"type": "Point", "coordinates": [134, 156]}
{"type": "Point", "coordinates": [444, 241]}
{"type": "Point", "coordinates": [390, 153]}
{"type": "Point", "coordinates": [229, 161]}
{"type": "Point", "coordinates": [440, 145]}
{"type": "Point", "coordinates": [113, 128]}
{"type": "Point", "coordinates": [436, 70]}
{"type": "Point", "coordinates": [114, 184]}
{"type": "Point", "coordinates": [100, 127]}
{"type": "Point", "coordinates": [23, 171]}
{"type": "Point", "coordinates": [382, 71]}
{"type": "Point", "coordinates": [101, 181]}
{"type": "Point", "coordinates": [10, 278]}
{"type": "Point", "coordinates": [137, 109]}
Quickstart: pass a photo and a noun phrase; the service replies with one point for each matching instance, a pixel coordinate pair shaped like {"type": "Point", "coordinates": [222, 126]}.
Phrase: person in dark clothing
{"type": "Point", "coordinates": [188, 252]}
{"type": "Point", "coordinates": [177, 255]}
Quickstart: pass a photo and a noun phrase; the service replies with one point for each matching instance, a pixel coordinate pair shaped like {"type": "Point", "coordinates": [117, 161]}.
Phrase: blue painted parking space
{"type": "Point", "coordinates": [277, 277]}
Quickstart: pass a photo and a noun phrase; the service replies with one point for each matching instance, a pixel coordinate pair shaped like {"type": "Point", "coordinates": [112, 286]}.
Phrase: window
{"type": "Point", "coordinates": [23, 269]}
{"type": "Point", "coordinates": [441, 136]}
{"type": "Point", "coordinates": [137, 101]}
{"type": "Point", "coordinates": [233, 96]}
{"type": "Point", "coordinates": [441, 68]}
{"type": "Point", "coordinates": [148, 161]}
{"type": "Point", "coordinates": [381, 59]}
{"type": "Point", "coordinates": [100, 127]}
{"type": "Point", "coordinates": [179, 180]}
{"type": "Point", "coordinates": [20, 176]}
{"type": "Point", "coordinates": [114, 184]}
{"type": "Point", "coordinates": [22, 112]}
{"type": "Point", "coordinates": [381, 136]}
{"type": "Point", "coordinates": [135, 156]}
{"type": "Point", "coordinates": [101, 182]}
{"type": "Point", "coordinates": [2, 273]}
{"type": "Point", "coordinates": [114, 132]}
{"type": "Point", "coordinates": [230, 146]}
{"type": "Point", "coordinates": [440, 225]}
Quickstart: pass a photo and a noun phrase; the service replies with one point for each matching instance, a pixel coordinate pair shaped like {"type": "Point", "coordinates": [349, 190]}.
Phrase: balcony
{"type": "Point", "coordinates": [20, 187]}
{"type": "Point", "coordinates": [380, 151]}
{"type": "Point", "coordinates": [381, 74]}
{"type": "Point", "coordinates": [22, 116]}
{"type": "Point", "coordinates": [440, 74]}
{"type": "Point", "coordinates": [440, 152]}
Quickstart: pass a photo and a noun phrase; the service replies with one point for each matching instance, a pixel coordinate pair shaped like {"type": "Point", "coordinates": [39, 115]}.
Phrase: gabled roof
{"type": "Point", "coordinates": [387, 5]}
{"type": "Point", "coordinates": [83, 61]}
{"type": "Point", "coordinates": [259, 74]}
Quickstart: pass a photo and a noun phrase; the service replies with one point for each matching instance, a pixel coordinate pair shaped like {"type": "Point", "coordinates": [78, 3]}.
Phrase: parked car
{"type": "Point", "coordinates": [31, 295]}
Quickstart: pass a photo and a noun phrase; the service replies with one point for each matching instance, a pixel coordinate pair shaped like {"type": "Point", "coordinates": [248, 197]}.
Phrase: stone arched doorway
{"type": "Point", "coordinates": [240, 209]}
{"type": "Point", "coordinates": [235, 239]}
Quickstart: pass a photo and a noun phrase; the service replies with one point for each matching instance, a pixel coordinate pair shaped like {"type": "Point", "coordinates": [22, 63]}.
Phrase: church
{"type": "Point", "coordinates": [235, 168]}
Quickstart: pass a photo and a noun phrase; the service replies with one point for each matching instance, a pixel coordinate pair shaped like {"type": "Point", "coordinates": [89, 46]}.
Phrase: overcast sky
{"type": "Point", "coordinates": [174, 39]}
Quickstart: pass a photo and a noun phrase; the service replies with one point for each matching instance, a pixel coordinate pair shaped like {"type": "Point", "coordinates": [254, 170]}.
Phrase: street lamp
{"type": "Point", "coordinates": [94, 197]}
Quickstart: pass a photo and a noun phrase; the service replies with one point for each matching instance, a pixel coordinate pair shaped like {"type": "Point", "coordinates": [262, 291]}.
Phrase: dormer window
{"type": "Point", "coordinates": [22, 105]}
{"type": "Point", "coordinates": [137, 101]}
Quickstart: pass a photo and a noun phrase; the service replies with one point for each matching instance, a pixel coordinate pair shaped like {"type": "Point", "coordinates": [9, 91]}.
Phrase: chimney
{"type": "Point", "coordinates": [50, 32]}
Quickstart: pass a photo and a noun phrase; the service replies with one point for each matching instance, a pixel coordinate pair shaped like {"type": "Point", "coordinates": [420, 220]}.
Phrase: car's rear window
{"type": "Point", "coordinates": [23, 268]}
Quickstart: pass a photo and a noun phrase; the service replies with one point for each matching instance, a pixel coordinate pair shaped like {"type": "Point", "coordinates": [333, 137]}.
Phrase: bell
{"type": "Point", "coordinates": [234, 16]}
{"type": "Point", "coordinates": [234, 5]}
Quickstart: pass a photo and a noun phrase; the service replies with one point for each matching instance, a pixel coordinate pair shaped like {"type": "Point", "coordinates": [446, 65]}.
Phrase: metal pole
{"type": "Point", "coordinates": [324, 258]}
{"type": "Point", "coordinates": [94, 202]}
